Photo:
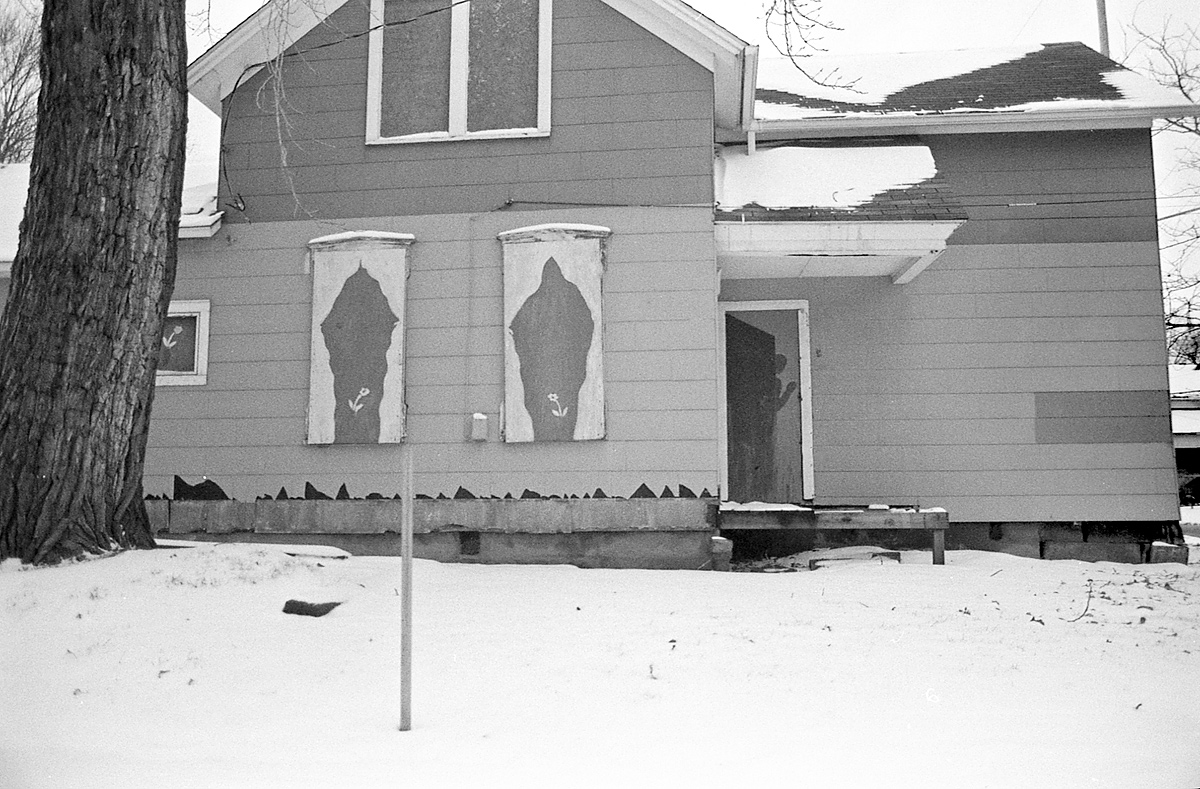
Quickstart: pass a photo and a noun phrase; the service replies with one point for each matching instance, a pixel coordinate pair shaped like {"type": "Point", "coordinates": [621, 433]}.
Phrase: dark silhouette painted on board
{"type": "Point", "coordinates": [177, 350]}
{"type": "Point", "coordinates": [358, 334]}
{"type": "Point", "coordinates": [552, 333]}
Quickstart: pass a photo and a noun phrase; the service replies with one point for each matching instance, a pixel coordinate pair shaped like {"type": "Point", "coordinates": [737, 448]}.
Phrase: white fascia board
{"type": "Point", "coordinates": [749, 85]}
{"type": "Point", "coordinates": [893, 239]}
{"type": "Point", "coordinates": [886, 124]}
{"type": "Point", "coordinates": [268, 32]}
{"type": "Point", "coordinates": [760, 266]}
{"type": "Point", "coordinates": [773, 250]}
{"type": "Point", "coordinates": [702, 40]}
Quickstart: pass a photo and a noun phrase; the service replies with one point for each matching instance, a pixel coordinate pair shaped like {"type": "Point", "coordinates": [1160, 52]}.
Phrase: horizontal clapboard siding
{"type": "Point", "coordinates": [1006, 382]}
{"type": "Point", "coordinates": [631, 125]}
{"type": "Point", "coordinates": [246, 428]}
{"type": "Point", "coordinates": [1043, 188]}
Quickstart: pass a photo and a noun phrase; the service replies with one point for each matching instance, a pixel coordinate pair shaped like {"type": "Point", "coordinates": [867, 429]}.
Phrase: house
{"type": "Point", "coordinates": [1185, 429]}
{"type": "Point", "coordinates": [610, 274]}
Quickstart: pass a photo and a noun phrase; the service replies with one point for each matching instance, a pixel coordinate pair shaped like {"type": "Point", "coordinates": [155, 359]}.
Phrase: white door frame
{"type": "Point", "coordinates": [806, 424]}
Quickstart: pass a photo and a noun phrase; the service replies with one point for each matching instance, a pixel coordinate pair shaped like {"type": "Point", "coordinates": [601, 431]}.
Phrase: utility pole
{"type": "Point", "coordinates": [1103, 19]}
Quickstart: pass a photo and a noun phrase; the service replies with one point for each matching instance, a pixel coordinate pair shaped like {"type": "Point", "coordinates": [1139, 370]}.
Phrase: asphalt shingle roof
{"type": "Point", "coordinates": [1053, 73]}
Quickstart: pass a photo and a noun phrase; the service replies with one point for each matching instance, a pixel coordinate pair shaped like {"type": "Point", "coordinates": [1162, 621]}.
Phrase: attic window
{"type": "Point", "coordinates": [445, 70]}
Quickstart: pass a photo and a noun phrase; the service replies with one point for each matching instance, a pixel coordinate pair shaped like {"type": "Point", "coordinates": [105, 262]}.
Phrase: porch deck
{"type": "Point", "coordinates": [760, 515]}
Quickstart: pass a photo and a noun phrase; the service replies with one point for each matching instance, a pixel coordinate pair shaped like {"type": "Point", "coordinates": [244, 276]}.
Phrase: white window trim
{"type": "Point", "coordinates": [198, 377]}
{"type": "Point", "coordinates": [459, 58]}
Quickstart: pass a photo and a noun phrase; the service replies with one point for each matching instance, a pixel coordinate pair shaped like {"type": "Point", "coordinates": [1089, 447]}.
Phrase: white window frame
{"type": "Point", "coordinates": [460, 27]}
{"type": "Point", "coordinates": [200, 308]}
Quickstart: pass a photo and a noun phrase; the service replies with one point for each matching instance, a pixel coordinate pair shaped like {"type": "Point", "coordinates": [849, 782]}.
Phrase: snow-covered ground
{"type": "Point", "coordinates": [177, 668]}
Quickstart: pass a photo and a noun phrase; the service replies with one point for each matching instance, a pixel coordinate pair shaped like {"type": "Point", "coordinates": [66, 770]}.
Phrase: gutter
{"type": "Point", "coordinates": [886, 124]}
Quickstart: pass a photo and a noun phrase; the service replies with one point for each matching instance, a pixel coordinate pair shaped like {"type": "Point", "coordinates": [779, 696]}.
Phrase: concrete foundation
{"type": "Point", "coordinates": [1162, 553]}
{"type": "Point", "coordinates": [1128, 553]}
{"type": "Point", "coordinates": [613, 533]}
{"type": "Point", "coordinates": [1091, 542]}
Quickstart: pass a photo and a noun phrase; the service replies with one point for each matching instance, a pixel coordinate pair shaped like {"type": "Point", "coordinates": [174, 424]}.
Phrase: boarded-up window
{"type": "Point", "coordinates": [183, 347]}
{"type": "Point", "coordinates": [415, 95]}
{"type": "Point", "coordinates": [356, 379]}
{"type": "Point", "coordinates": [502, 74]}
{"type": "Point", "coordinates": [553, 354]}
{"type": "Point", "coordinates": [448, 70]}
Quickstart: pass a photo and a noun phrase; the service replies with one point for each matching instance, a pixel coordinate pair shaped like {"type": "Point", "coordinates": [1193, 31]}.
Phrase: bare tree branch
{"type": "Point", "coordinates": [20, 42]}
{"type": "Point", "coordinates": [1172, 59]}
{"type": "Point", "coordinates": [795, 29]}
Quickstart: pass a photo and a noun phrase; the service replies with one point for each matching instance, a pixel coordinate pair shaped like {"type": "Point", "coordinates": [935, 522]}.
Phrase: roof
{"type": "Point", "coordinates": [1039, 87]}
{"type": "Point", "coordinates": [1042, 86]}
{"type": "Point", "coordinates": [279, 24]}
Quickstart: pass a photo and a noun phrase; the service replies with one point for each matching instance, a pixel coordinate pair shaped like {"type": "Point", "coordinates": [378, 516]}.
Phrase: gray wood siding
{"type": "Point", "coordinates": [1046, 188]}
{"type": "Point", "coordinates": [631, 125]}
{"type": "Point", "coordinates": [246, 428]}
{"type": "Point", "coordinates": [927, 393]}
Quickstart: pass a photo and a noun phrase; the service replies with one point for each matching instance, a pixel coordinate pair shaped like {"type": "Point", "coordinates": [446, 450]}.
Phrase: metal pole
{"type": "Point", "coordinates": [406, 565]}
{"type": "Point", "coordinates": [1103, 18]}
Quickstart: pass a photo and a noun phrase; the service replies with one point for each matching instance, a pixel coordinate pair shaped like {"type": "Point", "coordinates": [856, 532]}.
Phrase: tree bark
{"type": "Point", "coordinates": [92, 278]}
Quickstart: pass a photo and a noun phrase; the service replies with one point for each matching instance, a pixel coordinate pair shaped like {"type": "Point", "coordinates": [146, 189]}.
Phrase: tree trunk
{"type": "Point", "coordinates": [92, 278]}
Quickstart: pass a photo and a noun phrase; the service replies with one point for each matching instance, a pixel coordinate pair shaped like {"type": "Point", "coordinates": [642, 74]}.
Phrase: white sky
{"type": "Point", "coordinates": [866, 26]}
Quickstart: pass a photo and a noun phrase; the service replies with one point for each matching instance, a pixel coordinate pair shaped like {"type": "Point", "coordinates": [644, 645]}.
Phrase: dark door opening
{"type": "Point", "coordinates": [762, 406]}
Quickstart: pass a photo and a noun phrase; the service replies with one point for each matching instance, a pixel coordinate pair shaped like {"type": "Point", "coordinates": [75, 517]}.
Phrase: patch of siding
{"type": "Point", "coordinates": [944, 391]}
{"type": "Point", "coordinates": [246, 428]}
{"type": "Point", "coordinates": [1130, 417]}
{"type": "Point", "coordinates": [631, 125]}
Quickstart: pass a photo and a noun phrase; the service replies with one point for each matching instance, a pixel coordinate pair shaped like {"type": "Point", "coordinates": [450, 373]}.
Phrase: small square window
{"type": "Point", "coordinates": [183, 349]}
{"type": "Point", "coordinates": [473, 69]}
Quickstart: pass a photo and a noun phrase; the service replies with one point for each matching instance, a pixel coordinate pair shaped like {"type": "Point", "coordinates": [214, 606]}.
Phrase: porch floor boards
{"type": "Point", "coordinates": [759, 516]}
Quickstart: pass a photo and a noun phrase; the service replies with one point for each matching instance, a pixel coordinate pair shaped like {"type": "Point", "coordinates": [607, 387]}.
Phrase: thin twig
{"type": "Point", "coordinates": [1086, 605]}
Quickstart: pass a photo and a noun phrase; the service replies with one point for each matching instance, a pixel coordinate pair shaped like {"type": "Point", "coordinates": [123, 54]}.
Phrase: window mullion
{"type": "Point", "coordinates": [460, 42]}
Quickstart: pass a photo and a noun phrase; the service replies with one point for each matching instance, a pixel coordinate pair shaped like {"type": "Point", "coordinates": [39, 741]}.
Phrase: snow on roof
{"type": "Point", "coordinates": [761, 506]}
{"type": "Point", "coordinates": [870, 79]}
{"type": "Point", "coordinates": [833, 177]}
{"type": "Point", "coordinates": [362, 235]}
{"type": "Point", "coordinates": [1002, 80]}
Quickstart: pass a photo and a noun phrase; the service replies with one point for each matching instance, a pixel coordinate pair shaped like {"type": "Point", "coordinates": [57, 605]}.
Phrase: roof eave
{"type": "Point", "coordinates": [259, 39]}
{"type": "Point", "coordinates": [250, 45]}
{"type": "Point", "coordinates": [968, 123]}
{"type": "Point", "coordinates": [704, 41]}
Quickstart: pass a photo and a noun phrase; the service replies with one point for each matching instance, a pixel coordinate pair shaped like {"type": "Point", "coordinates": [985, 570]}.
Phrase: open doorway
{"type": "Point", "coordinates": [768, 426]}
